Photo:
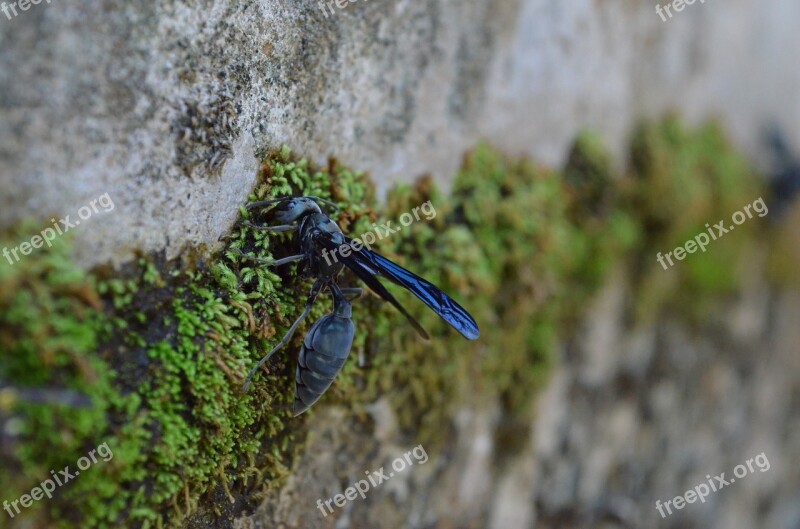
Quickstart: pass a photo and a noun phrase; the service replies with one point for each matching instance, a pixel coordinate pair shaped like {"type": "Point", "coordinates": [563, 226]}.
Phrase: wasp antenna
{"type": "Point", "coordinates": [419, 328]}
{"type": "Point", "coordinates": [266, 202]}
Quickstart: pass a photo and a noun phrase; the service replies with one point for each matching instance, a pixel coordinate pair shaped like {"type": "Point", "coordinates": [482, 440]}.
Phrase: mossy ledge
{"type": "Point", "coordinates": [151, 359]}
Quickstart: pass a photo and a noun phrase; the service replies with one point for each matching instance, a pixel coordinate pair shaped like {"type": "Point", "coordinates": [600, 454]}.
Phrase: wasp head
{"type": "Point", "coordinates": [294, 208]}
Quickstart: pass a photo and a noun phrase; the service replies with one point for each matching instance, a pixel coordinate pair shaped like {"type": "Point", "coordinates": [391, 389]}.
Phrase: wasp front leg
{"type": "Point", "coordinates": [269, 262]}
{"type": "Point", "coordinates": [272, 229]}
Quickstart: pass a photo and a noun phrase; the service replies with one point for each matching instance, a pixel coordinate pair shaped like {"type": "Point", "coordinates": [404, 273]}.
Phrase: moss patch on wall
{"type": "Point", "coordinates": [151, 359]}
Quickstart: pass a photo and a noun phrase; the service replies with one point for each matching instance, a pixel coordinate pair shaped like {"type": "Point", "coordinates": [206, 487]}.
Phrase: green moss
{"type": "Point", "coordinates": [588, 175]}
{"type": "Point", "coordinates": [783, 251]}
{"type": "Point", "coordinates": [159, 351]}
{"type": "Point", "coordinates": [171, 409]}
{"type": "Point", "coordinates": [50, 320]}
{"type": "Point", "coordinates": [683, 182]}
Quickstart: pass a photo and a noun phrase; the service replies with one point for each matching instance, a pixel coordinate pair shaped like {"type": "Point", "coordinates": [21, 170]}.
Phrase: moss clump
{"type": "Point", "coordinates": [682, 182]}
{"type": "Point", "coordinates": [508, 243]}
{"type": "Point", "coordinates": [153, 357]}
{"type": "Point", "coordinates": [157, 360]}
{"type": "Point", "coordinates": [588, 175]}
{"type": "Point", "coordinates": [59, 392]}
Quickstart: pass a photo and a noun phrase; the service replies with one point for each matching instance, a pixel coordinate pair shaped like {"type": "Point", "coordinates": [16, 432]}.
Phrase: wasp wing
{"type": "Point", "coordinates": [439, 302]}
{"type": "Point", "coordinates": [367, 275]}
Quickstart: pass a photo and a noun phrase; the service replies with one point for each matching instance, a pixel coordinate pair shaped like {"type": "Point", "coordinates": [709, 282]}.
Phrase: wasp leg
{"type": "Point", "coordinates": [326, 202]}
{"type": "Point", "coordinates": [274, 229]}
{"type": "Point", "coordinates": [269, 262]}
{"type": "Point", "coordinates": [351, 293]}
{"type": "Point", "coordinates": [288, 336]}
{"type": "Point", "coordinates": [262, 203]}
{"type": "Point", "coordinates": [362, 359]}
{"type": "Point", "coordinates": [284, 341]}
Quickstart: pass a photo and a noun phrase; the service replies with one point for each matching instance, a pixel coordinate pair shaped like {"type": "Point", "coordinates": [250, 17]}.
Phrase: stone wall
{"type": "Point", "coordinates": [163, 105]}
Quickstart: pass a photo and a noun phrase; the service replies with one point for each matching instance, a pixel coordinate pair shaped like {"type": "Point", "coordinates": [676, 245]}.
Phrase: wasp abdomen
{"type": "Point", "coordinates": [324, 352]}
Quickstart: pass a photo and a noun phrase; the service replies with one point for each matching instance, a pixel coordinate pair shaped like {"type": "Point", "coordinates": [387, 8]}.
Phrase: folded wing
{"type": "Point", "coordinates": [367, 264]}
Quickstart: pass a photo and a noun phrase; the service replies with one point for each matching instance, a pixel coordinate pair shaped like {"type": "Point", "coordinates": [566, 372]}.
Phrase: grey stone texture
{"type": "Point", "coordinates": [163, 104]}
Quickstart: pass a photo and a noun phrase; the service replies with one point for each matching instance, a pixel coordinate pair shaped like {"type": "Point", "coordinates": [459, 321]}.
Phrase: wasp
{"type": "Point", "coordinates": [327, 343]}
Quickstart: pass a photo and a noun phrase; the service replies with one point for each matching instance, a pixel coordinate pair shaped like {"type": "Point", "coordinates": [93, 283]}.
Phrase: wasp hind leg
{"type": "Point", "coordinates": [288, 336]}
{"type": "Point", "coordinates": [351, 293]}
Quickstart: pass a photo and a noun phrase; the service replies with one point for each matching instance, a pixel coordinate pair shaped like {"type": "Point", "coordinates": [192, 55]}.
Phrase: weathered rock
{"type": "Point", "coordinates": [162, 105]}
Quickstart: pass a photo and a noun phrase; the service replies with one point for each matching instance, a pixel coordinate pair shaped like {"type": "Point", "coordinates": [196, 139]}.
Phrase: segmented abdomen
{"type": "Point", "coordinates": [322, 356]}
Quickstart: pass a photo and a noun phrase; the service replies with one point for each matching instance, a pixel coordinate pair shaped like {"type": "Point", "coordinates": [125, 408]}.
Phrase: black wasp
{"type": "Point", "coordinates": [327, 343]}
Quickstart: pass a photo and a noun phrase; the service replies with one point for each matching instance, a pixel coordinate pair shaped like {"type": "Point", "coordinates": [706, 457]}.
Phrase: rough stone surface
{"type": "Point", "coordinates": [163, 104]}
{"type": "Point", "coordinates": [668, 407]}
